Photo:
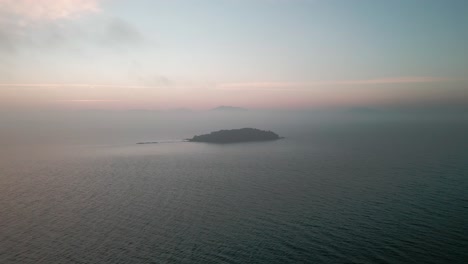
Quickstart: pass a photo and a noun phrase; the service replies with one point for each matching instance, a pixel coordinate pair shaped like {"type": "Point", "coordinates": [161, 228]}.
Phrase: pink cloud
{"type": "Point", "coordinates": [48, 9]}
{"type": "Point", "coordinates": [64, 85]}
{"type": "Point", "coordinates": [88, 100]}
{"type": "Point", "coordinates": [290, 86]}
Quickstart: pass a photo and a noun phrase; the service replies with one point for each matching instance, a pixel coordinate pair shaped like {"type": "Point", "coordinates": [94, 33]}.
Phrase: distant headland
{"type": "Point", "coordinates": [149, 142]}
{"type": "Point", "coordinates": [226, 108]}
{"type": "Point", "coordinates": [236, 135]}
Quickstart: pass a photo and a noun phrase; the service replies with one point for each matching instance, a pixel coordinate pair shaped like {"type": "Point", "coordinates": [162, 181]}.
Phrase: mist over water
{"type": "Point", "coordinates": [72, 127]}
{"type": "Point", "coordinates": [340, 188]}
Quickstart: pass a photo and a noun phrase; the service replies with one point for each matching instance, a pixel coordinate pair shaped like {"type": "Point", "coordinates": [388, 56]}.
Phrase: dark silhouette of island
{"type": "Point", "coordinates": [236, 135]}
{"type": "Point", "coordinates": [149, 142]}
{"type": "Point", "coordinates": [225, 108]}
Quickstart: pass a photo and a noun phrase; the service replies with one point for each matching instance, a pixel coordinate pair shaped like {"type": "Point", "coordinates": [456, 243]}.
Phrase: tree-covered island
{"type": "Point", "coordinates": [236, 135]}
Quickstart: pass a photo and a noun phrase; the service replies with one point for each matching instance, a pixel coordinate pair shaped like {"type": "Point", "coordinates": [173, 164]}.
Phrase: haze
{"type": "Point", "coordinates": [260, 54]}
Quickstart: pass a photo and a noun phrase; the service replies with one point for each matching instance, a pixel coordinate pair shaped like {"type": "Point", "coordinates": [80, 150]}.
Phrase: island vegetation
{"type": "Point", "coordinates": [236, 135]}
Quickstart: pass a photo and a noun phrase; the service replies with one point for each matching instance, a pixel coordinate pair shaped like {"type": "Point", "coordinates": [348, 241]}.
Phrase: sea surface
{"type": "Point", "coordinates": [375, 192]}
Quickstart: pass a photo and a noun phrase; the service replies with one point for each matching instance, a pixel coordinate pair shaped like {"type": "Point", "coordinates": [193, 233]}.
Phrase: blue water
{"type": "Point", "coordinates": [350, 193]}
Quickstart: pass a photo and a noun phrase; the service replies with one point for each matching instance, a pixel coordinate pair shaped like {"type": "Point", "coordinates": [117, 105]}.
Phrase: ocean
{"type": "Point", "coordinates": [349, 192]}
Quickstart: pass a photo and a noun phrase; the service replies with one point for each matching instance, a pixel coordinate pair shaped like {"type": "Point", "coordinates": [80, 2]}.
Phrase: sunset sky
{"type": "Point", "coordinates": [288, 54]}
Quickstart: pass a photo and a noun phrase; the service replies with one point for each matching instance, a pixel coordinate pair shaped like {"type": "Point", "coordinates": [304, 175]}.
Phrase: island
{"type": "Point", "coordinates": [226, 108]}
{"type": "Point", "coordinates": [236, 135]}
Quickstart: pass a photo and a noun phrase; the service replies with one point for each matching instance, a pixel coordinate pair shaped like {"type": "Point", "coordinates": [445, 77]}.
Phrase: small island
{"type": "Point", "coordinates": [236, 135]}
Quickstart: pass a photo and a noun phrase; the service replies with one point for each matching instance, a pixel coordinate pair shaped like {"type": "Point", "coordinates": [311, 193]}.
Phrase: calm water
{"type": "Point", "coordinates": [362, 193]}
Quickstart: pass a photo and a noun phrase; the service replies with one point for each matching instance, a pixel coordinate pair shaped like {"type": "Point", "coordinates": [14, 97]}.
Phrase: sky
{"type": "Point", "coordinates": [260, 54]}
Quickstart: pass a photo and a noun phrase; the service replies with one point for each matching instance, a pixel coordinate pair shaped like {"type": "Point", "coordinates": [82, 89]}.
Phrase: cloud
{"type": "Point", "coordinates": [33, 10]}
{"type": "Point", "coordinates": [65, 85]}
{"type": "Point", "coordinates": [89, 100]}
{"type": "Point", "coordinates": [118, 31]}
{"type": "Point", "coordinates": [8, 38]}
{"type": "Point", "coordinates": [34, 23]}
{"type": "Point", "coordinates": [94, 34]}
{"type": "Point", "coordinates": [288, 86]}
